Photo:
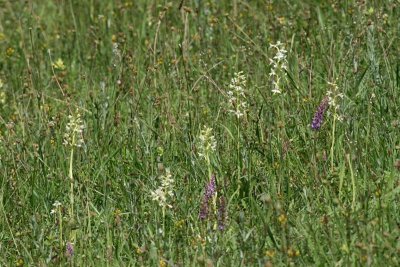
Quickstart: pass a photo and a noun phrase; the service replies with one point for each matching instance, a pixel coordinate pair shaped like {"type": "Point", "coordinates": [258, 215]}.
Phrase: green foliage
{"type": "Point", "coordinates": [147, 78]}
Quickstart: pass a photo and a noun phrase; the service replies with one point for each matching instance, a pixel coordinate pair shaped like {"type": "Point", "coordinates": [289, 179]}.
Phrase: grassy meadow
{"type": "Point", "coordinates": [199, 133]}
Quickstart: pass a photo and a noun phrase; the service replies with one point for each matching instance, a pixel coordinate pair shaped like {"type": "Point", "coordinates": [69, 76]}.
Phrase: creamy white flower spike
{"type": "Point", "coordinates": [74, 131]}
{"type": "Point", "coordinates": [207, 142]}
{"type": "Point", "coordinates": [165, 190]}
{"type": "Point", "coordinates": [236, 95]}
{"type": "Point", "coordinates": [278, 64]}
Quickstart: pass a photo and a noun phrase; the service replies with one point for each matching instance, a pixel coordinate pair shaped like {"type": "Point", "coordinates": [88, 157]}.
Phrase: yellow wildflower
{"type": "Point", "coordinates": [3, 97]}
{"type": "Point", "coordinates": [114, 38]}
{"type": "Point", "coordinates": [59, 64]}
{"type": "Point", "coordinates": [19, 262]}
{"type": "Point", "coordinates": [293, 252]}
{"type": "Point", "coordinates": [282, 219]}
{"type": "Point", "coordinates": [117, 212]}
{"type": "Point", "coordinates": [180, 223]}
{"type": "Point", "coordinates": [10, 51]}
{"type": "Point", "coordinates": [139, 250]}
{"type": "Point", "coordinates": [270, 253]}
{"type": "Point", "coordinates": [378, 192]}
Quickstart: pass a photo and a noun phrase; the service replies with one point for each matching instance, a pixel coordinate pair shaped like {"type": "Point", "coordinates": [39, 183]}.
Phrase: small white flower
{"type": "Point", "coordinates": [56, 206]}
{"type": "Point", "coordinates": [276, 91]}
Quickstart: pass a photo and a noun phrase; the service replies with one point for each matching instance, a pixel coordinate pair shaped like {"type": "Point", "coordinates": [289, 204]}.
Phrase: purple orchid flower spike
{"type": "Point", "coordinates": [319, 114]}
{"type": "Point", "coordinates": [210, 191]}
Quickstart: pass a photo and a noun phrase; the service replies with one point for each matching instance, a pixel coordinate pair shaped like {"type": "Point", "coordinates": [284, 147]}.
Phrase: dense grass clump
{"type": "Point", "coordinates": [199, 133]}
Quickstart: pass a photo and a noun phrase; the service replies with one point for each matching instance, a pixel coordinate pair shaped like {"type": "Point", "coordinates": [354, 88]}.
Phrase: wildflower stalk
{"type": "Point", "coordinates": [214, 201]}
{"type": "Point", "coordinates": [73, 138]}
{"type": "Point", "coordinates": [238, 106]}
{"type": "Point", "coordinates": [163, 194]}
{"type": "Point", "coordinates": [330, 100]}
{"type": "Point", "coordinates": [221, 213]}
{"type": "Point", "coordinates": [208, 162]}
{"type": "Point", "coordinates": [333, 141]}
{"type": "Point", "coordinates": [279, 67]}
{"type": "Point", "coordinates": [163, 221]}
{"type": "Point", "coordinates": [207, 145]}
{"type": "Point", "coordinates": [238, 153]}
{"type": "Point", "coordinates": [71, 181]}
{"type": "Point", "coordinates": [332, 96]}
{"type": "Point", "coordinates": [278, 78]}
{"type": "Point", "coordinates": [209, 198]}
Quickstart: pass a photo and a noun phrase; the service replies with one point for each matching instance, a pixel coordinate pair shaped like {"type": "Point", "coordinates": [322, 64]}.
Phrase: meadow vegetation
{"type": "Point", "coordinates": [199, 133]}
